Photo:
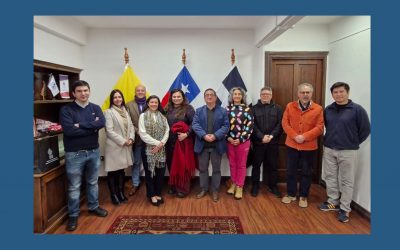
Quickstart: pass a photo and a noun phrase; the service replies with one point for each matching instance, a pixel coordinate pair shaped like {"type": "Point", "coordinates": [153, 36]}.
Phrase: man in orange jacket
{"type": "Point", "coordinates": [303, 122]}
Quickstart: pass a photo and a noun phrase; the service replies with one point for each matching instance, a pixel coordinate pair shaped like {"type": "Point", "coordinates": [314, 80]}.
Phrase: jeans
{"type": "Point", "coordinates": [303, 160]}
{"type": "Point", "coordinates": [87, 163]}
{"type": "Point", "coordinates": [138, 152]}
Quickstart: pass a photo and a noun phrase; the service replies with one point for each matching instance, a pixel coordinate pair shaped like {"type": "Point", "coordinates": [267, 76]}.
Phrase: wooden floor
{"type": "Point", "coordinates": [264, 214]}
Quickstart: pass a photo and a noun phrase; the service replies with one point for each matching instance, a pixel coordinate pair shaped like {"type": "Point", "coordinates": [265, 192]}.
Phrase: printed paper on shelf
{"type": "Point", "coordinates": [64, 86]}
{"type": "Point", "coordinates": [52, 85]}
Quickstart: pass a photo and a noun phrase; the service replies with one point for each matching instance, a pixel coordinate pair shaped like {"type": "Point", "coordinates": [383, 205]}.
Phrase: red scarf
{"type": "Point", "coordinates": [184, 161]}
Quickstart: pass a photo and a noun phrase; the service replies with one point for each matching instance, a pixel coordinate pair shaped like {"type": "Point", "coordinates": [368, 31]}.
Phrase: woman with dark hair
{"type": "Point", "coordinates": [154, 131]}
{"type": "Point", "coordinates": [241, 127]}
{"type": "Point", "coordinates": [118, 151]}
{"type": "Point", "coordinates": [180, 150]}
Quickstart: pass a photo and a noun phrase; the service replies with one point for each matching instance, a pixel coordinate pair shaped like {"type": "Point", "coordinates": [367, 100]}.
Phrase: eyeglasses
{"type": "Point", "coordinates": [305, 92]}
{"type": "Point", "coordinates": [266, 94]}
{"type": "Point", "coordinates": [209, 95]}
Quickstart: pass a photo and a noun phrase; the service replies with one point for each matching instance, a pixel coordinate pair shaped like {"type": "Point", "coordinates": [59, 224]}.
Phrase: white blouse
{"type": "Point", "coordinates": [146, 137]}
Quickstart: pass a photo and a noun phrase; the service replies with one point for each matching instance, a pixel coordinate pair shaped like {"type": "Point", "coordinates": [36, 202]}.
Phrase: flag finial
{"type": "Point", "coordinates": [126, 56]}
{"type": "Point", "coordinates": [184, 57]}
{"type": "Point", "coordinates": [233, 57]}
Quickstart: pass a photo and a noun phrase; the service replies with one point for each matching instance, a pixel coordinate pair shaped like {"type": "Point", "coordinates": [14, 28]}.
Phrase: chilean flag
{"type": "Point", "coordinates": [185, 82]}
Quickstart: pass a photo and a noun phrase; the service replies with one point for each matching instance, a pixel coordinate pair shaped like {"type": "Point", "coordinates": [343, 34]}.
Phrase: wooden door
{"type": "Point", "coordinates": [283, 72]}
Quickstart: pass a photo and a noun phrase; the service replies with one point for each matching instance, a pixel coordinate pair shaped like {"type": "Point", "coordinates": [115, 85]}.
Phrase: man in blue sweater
{"type": "Point", "coordinates": [347, 126]}
{"type": "Point", "coordinates": [81, 121]}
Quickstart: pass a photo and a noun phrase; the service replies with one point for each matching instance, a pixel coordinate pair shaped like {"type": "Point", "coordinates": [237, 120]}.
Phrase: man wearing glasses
{"type": "Point", "coordinates": [265, 138]}
{"type": "Point", "coordinates": [303, 122]}
{"type": "Point", "coordinates": [210, 124]}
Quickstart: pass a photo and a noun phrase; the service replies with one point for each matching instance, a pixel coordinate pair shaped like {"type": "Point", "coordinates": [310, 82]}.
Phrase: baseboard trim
{"type": "Point", "coordinates": [355, 207]}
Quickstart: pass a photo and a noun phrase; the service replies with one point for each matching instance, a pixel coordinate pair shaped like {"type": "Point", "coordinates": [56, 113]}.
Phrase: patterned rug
{"type": "Point", "coordinates": [176, 225]}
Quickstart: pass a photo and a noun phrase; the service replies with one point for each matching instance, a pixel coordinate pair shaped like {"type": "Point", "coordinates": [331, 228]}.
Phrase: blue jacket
{"type": "Point", "coordinates": [87, 135]}
{"type": "Point", "coordinates": [220, 125]}
{"type": "Point", "coordinates": [346, 127]}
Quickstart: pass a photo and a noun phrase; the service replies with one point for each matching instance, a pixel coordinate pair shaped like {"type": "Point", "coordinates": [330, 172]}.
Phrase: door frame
{"type": "Point", "coordinates": [299, 55]}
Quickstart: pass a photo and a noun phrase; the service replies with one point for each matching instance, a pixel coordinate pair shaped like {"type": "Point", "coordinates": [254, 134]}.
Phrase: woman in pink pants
{"type": "Point", "coordinates": [241, 127]}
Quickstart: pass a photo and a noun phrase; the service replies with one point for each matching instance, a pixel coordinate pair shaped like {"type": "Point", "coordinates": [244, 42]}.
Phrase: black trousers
{"type": "Point", "coordinates": [297, 159]}
{"type": "Point", "coordinates": [154, 184]}
{"type": "Point", "coordinates": [266, 154]}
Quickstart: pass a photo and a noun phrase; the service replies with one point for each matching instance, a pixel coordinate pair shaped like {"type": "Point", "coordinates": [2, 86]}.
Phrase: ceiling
{"type": "Point", "coordinates": [188, 22]}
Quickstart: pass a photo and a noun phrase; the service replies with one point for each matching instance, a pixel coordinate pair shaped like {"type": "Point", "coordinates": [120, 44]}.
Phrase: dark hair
{"type": "Point", "coordinates": [78, 84]}
{"type": "Point", "coordinates": [170, 105]}
{"type": "Point", "coordinates": [159, 108]}
{"type": "Point", "coordinates": [340, 84]}
{"type": "Point", "coordinates": [112, 97]}
{"type": "Point", "coordinates": [268, 88]}
{"type": "Point", "coordinates": [210, 89]}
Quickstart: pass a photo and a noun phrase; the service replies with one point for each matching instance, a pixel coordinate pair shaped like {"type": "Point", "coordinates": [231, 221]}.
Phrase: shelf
{"type": "Point", "coordinates": [53, 101]}
{"type": "Point", "coordinates": [41, 137]}
{"type": "Point", "coordinates": [38, 175]}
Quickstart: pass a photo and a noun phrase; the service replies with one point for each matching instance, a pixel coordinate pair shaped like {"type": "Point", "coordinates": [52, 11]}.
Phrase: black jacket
{"type": "Point", "coordinates": [267, 121]}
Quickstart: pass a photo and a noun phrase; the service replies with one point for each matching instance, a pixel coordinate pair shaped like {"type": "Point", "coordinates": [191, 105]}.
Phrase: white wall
{"type": "Point", "coordinates": [51, 48]}
{"type": "Point", "coordinates": [155, 55]}
{"type": "Point", "coordinates": [58, 40]}
{"type": "Point", "coordinates": [350, 61]}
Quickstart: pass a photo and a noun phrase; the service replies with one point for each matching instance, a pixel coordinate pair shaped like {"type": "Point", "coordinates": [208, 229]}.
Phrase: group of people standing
{"type": "Point", "coordinates": [182, 140]}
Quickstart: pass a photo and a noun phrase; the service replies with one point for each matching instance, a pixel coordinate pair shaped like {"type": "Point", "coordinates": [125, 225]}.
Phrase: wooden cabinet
{"type": "Point", "coordinates": [50, 199]}
{"type": "Point", "coordinates": [50, 186]}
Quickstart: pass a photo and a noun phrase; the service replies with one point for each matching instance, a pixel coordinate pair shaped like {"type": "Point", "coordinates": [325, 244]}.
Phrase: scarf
{"type": "Point", "coordinates": [155, 129]}
{"type": "Point", "coordinates": [184, 161]}
{"type": "Point", "coordinates": [122, 112]}
{"type": "Point", "coordinates": [141, 102]}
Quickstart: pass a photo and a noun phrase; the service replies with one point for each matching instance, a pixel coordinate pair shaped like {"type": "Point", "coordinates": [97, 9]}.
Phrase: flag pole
{"type": "Point", "coordinates": [233, 57]}
{"type": "Point", "coordinates": [184, 57]}
{"type": "Point", "coordinates": [126, 56]}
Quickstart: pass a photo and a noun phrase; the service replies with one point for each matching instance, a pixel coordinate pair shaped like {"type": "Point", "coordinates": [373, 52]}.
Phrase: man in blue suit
{"type": "Point", "coordinates": [210, 124]}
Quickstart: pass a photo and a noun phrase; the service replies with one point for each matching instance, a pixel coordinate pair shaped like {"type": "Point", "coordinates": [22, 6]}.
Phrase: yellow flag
{"type": "Point", "coordinates": [127, 84]}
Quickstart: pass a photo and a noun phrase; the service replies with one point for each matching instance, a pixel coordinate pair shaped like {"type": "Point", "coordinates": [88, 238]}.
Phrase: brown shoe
{"type": "Point", "coordinates": [215, 196]}
{"type": "Point", "coordinates": [133, 190]}
{"type": "Point", "coordinates": [201, 194]}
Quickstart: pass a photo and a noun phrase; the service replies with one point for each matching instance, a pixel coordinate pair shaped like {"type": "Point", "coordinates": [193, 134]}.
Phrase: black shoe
{"type": "Point", "coordinates": [72, 223]}
{"type": "Point", "coordinates": [254, 189]}
{"type": "Point", "coordinates": [115, 200]}
{"type": "Point", "coordinates": [122, 198]}
{"type": "Point", "coordinates": [275, 191]}
{"type": "Point", "coordinates": [172, 191]}
{"type": "Point", "coordinates": [99, 212]}
{"type": "Point", "coordinates": [160, 201]}
{"type": "Point", "coordinates": [180, 195]}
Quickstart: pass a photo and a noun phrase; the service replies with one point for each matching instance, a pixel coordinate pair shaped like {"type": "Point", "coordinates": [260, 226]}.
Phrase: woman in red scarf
{"type": "Point", "coordinates": [180, 154]}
